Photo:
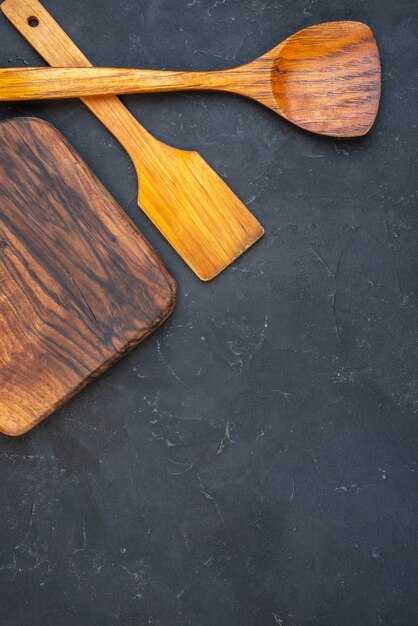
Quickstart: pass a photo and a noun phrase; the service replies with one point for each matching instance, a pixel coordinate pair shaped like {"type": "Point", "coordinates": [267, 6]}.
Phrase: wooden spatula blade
{"type": "Point", "coordinates": [198, 213]}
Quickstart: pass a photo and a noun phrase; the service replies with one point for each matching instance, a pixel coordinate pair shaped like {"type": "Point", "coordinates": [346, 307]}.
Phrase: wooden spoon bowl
{"type": "Point", "coordinates": [325, 79]}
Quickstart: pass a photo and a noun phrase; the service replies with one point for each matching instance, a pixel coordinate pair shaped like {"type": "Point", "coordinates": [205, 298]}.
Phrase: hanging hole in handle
{"type": "Point", "coordinates": [33, 21]}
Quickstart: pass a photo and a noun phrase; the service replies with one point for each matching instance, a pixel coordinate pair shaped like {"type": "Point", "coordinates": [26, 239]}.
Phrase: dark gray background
{"type": "Point", "coordinates": [255, 461]}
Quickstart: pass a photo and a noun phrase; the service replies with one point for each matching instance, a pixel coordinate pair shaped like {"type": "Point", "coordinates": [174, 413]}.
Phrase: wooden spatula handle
{"type": "Point", "coordinates": [56, 47]}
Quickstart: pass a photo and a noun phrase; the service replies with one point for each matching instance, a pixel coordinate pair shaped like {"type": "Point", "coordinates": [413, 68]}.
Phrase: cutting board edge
{"type": "Point", "coordinates": [18, 432]}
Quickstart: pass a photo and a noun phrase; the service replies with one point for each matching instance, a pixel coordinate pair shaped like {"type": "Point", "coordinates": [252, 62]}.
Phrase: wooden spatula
{"type": "Point", "coordinates": [186, 200]}
{"type": "Point", "coordinates": [325, 78]}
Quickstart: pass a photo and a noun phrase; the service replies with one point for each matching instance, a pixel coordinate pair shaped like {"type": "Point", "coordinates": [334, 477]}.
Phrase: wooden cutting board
{"type": "Point", "coordinates": [79, 285]}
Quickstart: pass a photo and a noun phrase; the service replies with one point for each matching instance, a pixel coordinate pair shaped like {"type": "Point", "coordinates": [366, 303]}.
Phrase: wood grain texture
{"type": "Point", "coordinates": [79, 285]}
{"type": "Point", "coordinates": [329, 79]}
{"type": "Point", "coordinates": [325, 78]}
{"type": "Point", "coordinates": [187, 201]}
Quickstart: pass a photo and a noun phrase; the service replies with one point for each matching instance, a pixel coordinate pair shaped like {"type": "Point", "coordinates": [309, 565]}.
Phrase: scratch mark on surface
{"type": "Point", "coordinates": [167, 364]}
{"type": "Point", "coordinates": [226, 440]}
{"type": "Point", "coordinates": [334, 315]}
{"type": "Point", "coordinates": [29, 522]}
{"type": "Point", "coordinates": [292, 495]}
{"type": "Point", "coordinates": [211, 499]}
{"type": "Point", "coordinates": [214, 5]}
{"type": "Point", "coordinates": [286, 395]}
{"type": "Point", "coordinates": [322, 261]}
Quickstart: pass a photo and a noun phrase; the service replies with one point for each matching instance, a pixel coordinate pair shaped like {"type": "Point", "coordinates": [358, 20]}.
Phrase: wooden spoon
{"type": "Point", "coordinates": [325, 79]}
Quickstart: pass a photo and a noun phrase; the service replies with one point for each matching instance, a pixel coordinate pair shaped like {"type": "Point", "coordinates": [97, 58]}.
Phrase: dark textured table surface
{"type": "Point", "coordinates": [255, 461]}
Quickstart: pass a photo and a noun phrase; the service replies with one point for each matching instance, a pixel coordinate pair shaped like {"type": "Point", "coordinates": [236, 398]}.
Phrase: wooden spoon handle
{"type": "Point", "coordinates": [30, 83]}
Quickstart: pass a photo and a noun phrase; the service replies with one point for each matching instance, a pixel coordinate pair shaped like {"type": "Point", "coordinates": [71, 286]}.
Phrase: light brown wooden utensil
{"type": "Point", "coordinates": [186, 200]}
{"type": "Point", "coordinates": [325, 78]}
